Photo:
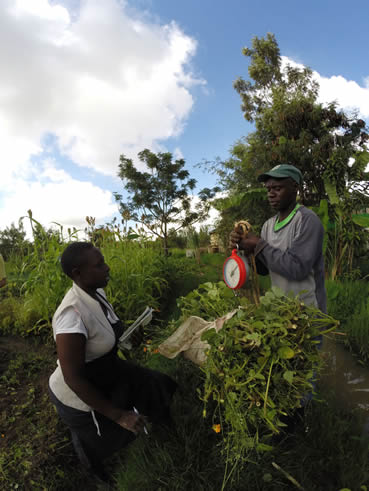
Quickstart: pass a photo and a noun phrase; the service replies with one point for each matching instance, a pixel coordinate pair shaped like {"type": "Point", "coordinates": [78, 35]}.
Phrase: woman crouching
{"type": "Point", "coordinates": [104, 400]}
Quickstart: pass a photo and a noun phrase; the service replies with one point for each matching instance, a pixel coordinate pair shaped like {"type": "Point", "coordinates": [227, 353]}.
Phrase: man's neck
{"type": "Point", "coordinates": [284, 213]}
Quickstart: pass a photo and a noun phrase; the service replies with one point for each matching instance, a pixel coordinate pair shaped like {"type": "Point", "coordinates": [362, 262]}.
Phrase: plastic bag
{"type": "Point", "coordinates": [187, 338]}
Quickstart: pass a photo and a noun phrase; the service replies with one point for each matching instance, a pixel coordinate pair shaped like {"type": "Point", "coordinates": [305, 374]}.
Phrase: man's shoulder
{"type": "Point", "coordinates": [307, 213]}
{"type": "Point", "coordinates": [270, 221]}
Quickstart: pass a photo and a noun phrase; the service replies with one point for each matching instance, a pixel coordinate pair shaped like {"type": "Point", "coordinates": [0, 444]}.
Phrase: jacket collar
{"type": "Point", "coordinates": [93, 306]}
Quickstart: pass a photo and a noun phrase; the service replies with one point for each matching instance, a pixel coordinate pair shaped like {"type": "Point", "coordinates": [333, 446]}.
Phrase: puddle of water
{"type": "Point", "coordinates": [345, 379]}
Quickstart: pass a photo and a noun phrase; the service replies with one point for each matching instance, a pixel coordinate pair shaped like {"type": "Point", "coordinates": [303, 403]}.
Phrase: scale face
{"type": "Point", "coordinates": [236, 270]}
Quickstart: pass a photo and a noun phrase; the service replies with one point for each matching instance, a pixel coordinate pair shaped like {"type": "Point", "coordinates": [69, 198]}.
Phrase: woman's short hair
{"type": "Point", "coordinates": [74, 256]}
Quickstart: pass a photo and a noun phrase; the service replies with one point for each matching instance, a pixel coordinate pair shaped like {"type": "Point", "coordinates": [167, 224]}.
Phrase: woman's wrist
{"type": "Point", "coordinates": [115, 414]}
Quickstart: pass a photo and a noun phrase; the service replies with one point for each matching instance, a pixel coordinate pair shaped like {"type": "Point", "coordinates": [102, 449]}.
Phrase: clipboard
{"type": "Point", "coordinates": [144, 319]}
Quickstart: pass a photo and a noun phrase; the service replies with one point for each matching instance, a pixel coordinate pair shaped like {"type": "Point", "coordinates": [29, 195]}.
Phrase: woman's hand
{"type": "Point", "coordinates": [132, 421]}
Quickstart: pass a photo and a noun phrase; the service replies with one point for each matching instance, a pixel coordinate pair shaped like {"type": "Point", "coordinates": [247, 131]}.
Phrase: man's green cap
{"type": "Point", "coordinates": [282, 171]}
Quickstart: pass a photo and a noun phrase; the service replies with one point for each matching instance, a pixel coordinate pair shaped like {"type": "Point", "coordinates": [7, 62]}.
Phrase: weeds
{"type": "Point", "coordinates": [326, 450]}
{"type": "Point", "coordinates": [348, 302]}
{"type": "Point", "coordinates": [35, 450]}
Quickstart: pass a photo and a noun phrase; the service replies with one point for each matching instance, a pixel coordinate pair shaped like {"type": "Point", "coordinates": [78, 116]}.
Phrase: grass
{"type": "Point", "coordinates": [348, 302]}
{"type": "Point", "coordinates": [326, 450]}
{"type": "Point", "coordinates": [187, 274]}
{"type": "Point", "coordinates": [182, 457]}
{"type": "Point", "coordinates": [36, 453]}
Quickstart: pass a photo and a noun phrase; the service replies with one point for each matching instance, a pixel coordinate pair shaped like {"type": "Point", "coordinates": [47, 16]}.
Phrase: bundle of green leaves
{"type": "Point", "coordinates": [209, 301]}
{"type": "Point", "coordinates": [260, 365]}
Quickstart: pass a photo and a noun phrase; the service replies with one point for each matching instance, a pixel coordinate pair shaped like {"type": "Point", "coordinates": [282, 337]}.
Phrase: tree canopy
{"type": "Point", "coordinates": [329, 146]}
{"type": "Point", "coordinates": [292, 127]}
{"type": "Point", "coordinates": [160, 197]}
{"type": "Point", "coordinates": [13, 241]}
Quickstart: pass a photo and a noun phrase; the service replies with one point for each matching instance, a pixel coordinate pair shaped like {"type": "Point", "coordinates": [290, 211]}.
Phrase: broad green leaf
{"type": "Point", "coordinates": [278, 293]}
{"type": "Point", "coordinates": [330, 189]}
{"type": "Point", "coordinates": [288, 375]}
{"type": "Point", "coordinates": [285, 352]}
{"type": "Point", "coordinates": [361, 220]}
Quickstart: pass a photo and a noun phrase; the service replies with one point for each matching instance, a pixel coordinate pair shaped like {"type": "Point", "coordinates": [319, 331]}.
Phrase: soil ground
{"type": "Point", "coordinates": [35, 448]}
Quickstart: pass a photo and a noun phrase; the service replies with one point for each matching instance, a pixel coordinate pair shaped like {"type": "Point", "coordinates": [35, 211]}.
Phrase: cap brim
{"type": "Point", "coordinates": [268, 175]}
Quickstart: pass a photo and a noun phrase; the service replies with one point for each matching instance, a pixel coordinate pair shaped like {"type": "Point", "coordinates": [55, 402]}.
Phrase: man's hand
{"type": "Point", "coordinates": [235, 238]}
{"type": "Point", "coordinates": [249, 243]}
{"type": "Point", "coordinates": [246, 244]}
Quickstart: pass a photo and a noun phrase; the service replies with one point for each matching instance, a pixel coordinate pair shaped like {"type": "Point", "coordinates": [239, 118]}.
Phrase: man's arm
{"type": "Point", "coordinates": [296, 262]}
{"type": "Point", "coordinates": [261, 268]}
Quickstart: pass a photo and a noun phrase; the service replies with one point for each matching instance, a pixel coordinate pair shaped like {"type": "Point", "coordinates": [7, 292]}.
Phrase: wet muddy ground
{"type": "Point", "coordinates": [346, 380]}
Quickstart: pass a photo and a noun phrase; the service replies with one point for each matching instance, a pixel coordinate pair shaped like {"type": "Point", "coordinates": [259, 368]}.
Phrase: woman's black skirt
{"type": "Point", "coordinates": [96, 437]}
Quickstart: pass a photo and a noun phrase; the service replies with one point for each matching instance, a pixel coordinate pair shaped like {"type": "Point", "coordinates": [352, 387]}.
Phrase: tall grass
{"type": "Point", "coordinates": [139, 277]}
{"type": "Point", "coordinates": [45, 283]}
{"type": "Point", "coordinates": [348, 302]}
{"type": "Point", "coordinates": [358, 330]}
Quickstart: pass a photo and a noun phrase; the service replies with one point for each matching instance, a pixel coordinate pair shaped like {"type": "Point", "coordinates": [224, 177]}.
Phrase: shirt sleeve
{"type": "Point", "coordinates": [69, 322]}
{"type": "Point", "coordinates": [296, 262]}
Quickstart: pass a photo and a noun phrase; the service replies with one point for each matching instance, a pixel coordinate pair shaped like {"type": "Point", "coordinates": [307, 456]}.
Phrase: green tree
{"type": "Point", "coordinates": [328, 145]}
{"type": "Point", "coordinates": [292, 127]}
{"type": "Point", "coordinates": [13, 241]}
{"type": "Point", "coordinates": [159, 198]}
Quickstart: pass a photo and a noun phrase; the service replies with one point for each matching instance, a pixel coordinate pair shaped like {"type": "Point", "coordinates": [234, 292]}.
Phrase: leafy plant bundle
{"type": "Point", "coordinates": [209, 301]}
{"type": "Point", "coordinates": [260, 366]}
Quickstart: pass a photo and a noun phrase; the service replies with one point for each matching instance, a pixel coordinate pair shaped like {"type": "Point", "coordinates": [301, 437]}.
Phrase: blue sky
{"type": "Point", "coordinates": [83, 81]}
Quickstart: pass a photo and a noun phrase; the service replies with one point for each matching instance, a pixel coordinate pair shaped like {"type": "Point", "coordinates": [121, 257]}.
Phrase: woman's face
{"type": "Point", "coordinates": [94, 273]}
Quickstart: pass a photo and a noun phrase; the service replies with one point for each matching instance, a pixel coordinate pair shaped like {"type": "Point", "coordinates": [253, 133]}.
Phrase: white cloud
{"type": "Point", "coordinates": [101, 79]}
{"type": "Point", "coordinates": [57, 197]}
{"type": "Point", "coordinates": [348, 94]}
{"type": "Point", "coordinates": [104, 83]}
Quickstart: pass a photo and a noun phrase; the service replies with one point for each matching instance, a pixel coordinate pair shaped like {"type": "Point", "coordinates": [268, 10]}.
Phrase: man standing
{"type": "Point", "coordinates": [2, 272]}
{"type": "Point", "coordinates": [290, 248]}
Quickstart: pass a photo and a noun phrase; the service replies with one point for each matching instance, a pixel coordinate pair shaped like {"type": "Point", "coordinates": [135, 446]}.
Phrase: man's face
{"type": "Point", "coordinates": [281, 193]}
{"type": "Point", "coordinates": [95, 272]}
